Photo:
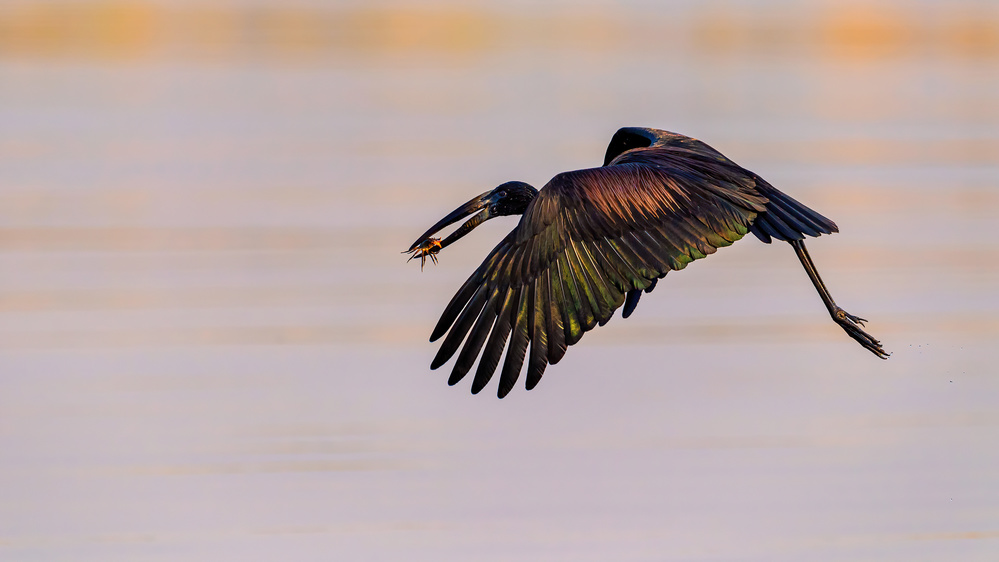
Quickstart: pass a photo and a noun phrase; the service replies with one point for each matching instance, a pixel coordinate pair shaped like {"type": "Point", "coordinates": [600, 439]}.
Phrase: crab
{"type": "Point", "coordinates": [428, 247]}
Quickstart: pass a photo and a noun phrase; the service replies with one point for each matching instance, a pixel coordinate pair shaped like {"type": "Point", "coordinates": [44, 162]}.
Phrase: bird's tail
{"type": "Point", "coordinates": [786, 219]}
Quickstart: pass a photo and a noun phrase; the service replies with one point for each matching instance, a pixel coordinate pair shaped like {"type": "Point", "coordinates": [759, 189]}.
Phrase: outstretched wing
{"type": "Point", "coordinates": [588, 242]}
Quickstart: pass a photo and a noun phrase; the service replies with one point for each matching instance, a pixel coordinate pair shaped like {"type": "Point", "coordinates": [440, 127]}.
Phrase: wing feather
{"type": "Point", "coordinates": [457, 304]}
{"type": "Point", "coordinates": [648, 251]}
{"type": "Point", "coordinates": [539, 337]}
{"type": "Point", "coordinates": [576, 283]}
{"type": "Point", "coordinates": [556, 330]}
{"type": "Point", "coordinates": [497, 341]}
{"type": "Point", "coordinates": [596, 289]}
{"type": "Point", "coordinates": [460, 328]}
{"type": "Point", "coordinates": [633, 260]}
{"type": "Point", "coordinates": [518, 348]}
{"type": "Point", "coordinates": [475, 340]}
{"type": "Point", "coordinates": [616, 284]}
{"type": "Point", "coordinates": [573, 327]}
{"type": "Point", "coordinates": [625, 271]}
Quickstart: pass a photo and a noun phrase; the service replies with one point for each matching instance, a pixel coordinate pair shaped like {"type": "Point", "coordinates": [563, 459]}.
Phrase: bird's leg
{"type": "Point", "coordinates": [850, 323]}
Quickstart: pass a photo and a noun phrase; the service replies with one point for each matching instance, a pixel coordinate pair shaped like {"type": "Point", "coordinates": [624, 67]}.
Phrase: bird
{"type": "Point", "coordinates": [594, 240]}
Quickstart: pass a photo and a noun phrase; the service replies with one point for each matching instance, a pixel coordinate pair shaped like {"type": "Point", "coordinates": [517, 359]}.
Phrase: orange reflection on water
{"type": "Point", "coordinates": [128, 29]}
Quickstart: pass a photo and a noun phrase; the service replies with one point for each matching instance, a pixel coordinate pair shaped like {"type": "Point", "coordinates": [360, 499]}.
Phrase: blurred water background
{"type": "Point", "coordinates": [212, 349]}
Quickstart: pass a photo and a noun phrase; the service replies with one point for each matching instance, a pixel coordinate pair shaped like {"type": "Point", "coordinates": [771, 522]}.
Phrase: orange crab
{"type": "Point", "coordinates": [428, 247]}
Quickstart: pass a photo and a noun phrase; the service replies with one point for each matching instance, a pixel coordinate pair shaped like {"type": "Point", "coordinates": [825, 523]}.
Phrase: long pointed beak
{"type": "Point", "coordinates": [479, 203]}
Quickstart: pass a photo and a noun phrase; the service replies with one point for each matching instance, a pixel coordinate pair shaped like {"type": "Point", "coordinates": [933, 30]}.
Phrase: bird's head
{"type": "Point", "coordinates": [510, 198]}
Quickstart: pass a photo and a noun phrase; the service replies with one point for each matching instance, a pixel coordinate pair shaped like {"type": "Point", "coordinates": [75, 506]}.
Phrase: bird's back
{"type": "Point", "coordinates": [784, 218]}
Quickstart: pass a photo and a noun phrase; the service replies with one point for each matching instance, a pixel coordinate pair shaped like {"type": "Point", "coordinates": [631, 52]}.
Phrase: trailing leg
{"type": "Point", "coordinates": [851, 324]}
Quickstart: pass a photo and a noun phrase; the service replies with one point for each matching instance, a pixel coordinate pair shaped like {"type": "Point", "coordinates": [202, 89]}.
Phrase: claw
{"type": "Point", "coordinates": [856, 319]}
{"type": "Point", "coordinates": [852, 326]}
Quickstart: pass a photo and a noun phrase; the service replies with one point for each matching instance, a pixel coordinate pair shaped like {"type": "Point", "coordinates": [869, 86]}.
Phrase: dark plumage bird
{"type": "Point", "coordinates": [593, 240]}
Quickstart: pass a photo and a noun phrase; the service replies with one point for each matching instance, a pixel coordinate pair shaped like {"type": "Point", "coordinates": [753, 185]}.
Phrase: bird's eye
{"type": "Point", "coordinates": [502, 194]}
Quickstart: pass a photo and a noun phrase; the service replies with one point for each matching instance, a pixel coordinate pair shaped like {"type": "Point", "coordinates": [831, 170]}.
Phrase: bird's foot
{"type": "Point", "coordinates": [852, 325]}
{"type": "Point", "coordinates": [428, 248]}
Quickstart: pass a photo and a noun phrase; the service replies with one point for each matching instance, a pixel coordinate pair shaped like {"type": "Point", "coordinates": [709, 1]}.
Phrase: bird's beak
{"type": "Point", "coordinates": [482, 202]}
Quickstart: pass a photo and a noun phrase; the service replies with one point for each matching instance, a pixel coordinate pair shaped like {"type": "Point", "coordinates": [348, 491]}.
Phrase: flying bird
{"type": "Point", "coordinates": [592, 241]}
